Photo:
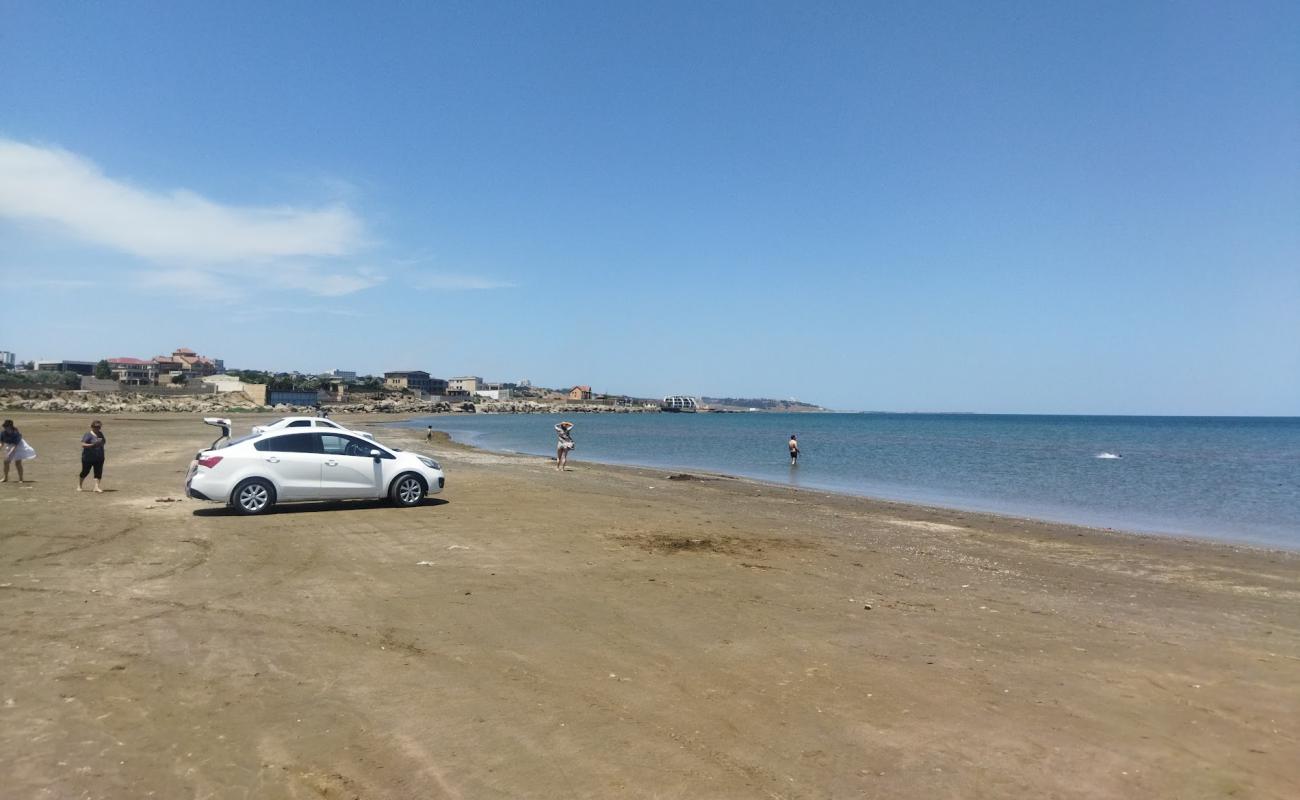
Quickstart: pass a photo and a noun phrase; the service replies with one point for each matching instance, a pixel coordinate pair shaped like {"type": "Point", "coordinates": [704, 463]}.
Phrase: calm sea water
{"type": "Point", "coordinates": [1224, 478]}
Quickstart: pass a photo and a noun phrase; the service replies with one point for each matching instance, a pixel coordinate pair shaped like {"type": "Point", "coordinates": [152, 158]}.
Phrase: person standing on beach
{"type": "Point", "coordinates": [564, 445]}
{"type": "Point", "coordinates": [15, 449]}
{"type": "Point", "coordinates": [428, 434]}
{"type": "Point", "coordinates": [794, 449]}
{"type": "Point", "coordinates": [92, 455]}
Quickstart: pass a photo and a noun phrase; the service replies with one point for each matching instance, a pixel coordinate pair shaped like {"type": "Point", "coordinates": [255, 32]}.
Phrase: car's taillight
{"type": "Point", "coordinates": [210, 461]}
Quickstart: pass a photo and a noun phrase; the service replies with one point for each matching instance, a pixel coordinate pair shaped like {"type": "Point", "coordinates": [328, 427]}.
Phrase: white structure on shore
{"type": "Point", "coordinates": [680, 402]}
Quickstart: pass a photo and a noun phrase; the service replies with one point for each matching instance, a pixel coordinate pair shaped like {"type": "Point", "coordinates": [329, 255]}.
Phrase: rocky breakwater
{"type": "Point", "coordinates": [237, 402]}
{"type": "Point", "coordinates": [530, 407]}
{"type": "Point", "coordinates": [208, 404]}
{"type": "Point", "coordinates": [118, 403]}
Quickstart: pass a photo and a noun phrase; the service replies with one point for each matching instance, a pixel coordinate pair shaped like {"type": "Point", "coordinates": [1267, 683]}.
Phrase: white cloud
{"type": "Point", "coordinates": [204, 285]}
{"type": "Point", "coordinates": [450, 282]}
{"type": "Point", "coordinates": [22, 282]}
{"type": "Point", "coordinates": [196, 244]}
{"type": "Point", "coordinates": [299, 276]}
{"type": "Point", "coordinates": [279, 311]}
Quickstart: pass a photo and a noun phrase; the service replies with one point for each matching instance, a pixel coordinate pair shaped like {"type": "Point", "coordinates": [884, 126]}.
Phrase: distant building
{"type": "Point", "coordinates": [134, 371]}
{"type": "Point", "coordinates": [7, 359]}
{"type": "Point", "coordinates": [79, 367]}
{"type": "Point", "coordinates": [580, 393]}
{"type": "Point", "coordinates": [680, 402]}
{"type": "Point", "coordinates": [496, 391]}
{"type": "Point", "coordinates": [224, 383]}
{"type": "Point", "coordinates": [185, 361]}
{"type": "Point", "coordinates": [292, 398]}
{"type": "Point", "coordinates": [345, 374]}
{"type": "Point", "coordinates": [416, 381]}
{"type": "Point", "coordinates": [468, 384]}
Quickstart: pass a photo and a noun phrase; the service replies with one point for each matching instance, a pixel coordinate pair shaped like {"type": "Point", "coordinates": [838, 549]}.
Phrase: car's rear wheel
{"type": "Point", "coordinates": [253, 496]}
{"type": "Point", "coordinates": [408, 490]}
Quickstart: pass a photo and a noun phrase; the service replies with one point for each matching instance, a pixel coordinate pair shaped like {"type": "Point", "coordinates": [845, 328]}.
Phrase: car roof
{"type": "Point", "coordinates": [276, 433]}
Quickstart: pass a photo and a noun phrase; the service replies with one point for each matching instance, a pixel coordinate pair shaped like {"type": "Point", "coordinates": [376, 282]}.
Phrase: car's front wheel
{"type": "Point", "coordinates": [253, 496]}
{"type": "Point", "coordinates": [408, 490]}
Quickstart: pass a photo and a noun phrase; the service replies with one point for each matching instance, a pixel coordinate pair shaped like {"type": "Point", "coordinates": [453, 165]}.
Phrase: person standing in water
{"type": "Point", "coordinates": [564, 445]}
{"type": "Point", "coordinates": [794, 449]}
{"type": "Point", "coordinates": [92, 455]}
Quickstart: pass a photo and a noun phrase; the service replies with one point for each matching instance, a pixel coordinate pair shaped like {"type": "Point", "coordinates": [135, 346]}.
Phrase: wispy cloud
{"type": "Point", "coordinates": [23, 282]}
{"type": "Point", "coordinates": [449, 282]}
{"type": "Point", "coordinates": [317, 311]}
{"type": "Point", "coordinates": [192, 241]}
{"type": "Point", "coordinates": [201, 284]}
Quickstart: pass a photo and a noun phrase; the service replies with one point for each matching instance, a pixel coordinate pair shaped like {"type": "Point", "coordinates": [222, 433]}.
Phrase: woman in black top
{"type": "Point", "coordinates": [12, 441]}
{"type": "Point", "coordinates": [92, 455]}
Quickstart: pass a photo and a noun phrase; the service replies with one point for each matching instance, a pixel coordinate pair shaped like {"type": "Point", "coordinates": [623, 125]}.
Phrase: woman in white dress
{"type": "Point", "coordinates": [564, 445]}
{"type": "Point", "coordinates": [16, 449]}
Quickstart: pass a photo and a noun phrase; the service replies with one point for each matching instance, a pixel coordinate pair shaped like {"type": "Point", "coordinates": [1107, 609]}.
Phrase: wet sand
{"type": "Point", "coordinates": [611, 632]}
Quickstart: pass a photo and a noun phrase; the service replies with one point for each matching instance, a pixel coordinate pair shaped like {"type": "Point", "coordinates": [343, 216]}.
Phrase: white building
{"type": "Point", "coordinates": [469, 384]}
{"type": "Point", "coordinates": [224, 383]}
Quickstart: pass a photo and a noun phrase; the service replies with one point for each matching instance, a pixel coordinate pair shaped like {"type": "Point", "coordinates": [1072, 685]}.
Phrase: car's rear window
{"type": "Point", "coordinates": [294, 443]}
{"type": "Point", "coordinates": [237, 441]}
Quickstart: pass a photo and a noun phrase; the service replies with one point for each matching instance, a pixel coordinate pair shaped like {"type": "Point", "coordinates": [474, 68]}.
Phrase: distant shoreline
{"type": "Point", "coordinates": [919, 504]}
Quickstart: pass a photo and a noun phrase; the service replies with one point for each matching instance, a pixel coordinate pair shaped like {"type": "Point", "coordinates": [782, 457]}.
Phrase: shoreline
{"type": "Point", "coordinates": [1190, 537]}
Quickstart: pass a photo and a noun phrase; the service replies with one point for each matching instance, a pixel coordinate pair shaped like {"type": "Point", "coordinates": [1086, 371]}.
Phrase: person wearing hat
{"type": "Point", "coordinates": [564, 445]}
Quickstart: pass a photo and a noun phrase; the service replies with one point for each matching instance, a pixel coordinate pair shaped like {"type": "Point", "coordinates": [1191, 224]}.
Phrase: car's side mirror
{"type": "Point", "coordinates": [376, 455]}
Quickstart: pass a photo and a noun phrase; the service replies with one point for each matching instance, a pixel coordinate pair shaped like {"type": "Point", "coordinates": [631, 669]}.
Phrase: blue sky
{"type": "Point", "coordinates": [1005, 207]}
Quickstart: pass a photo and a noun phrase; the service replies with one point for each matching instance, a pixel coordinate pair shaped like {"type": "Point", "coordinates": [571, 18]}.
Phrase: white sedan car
{"type": "Point", "coordinates": [306, 422]}
{"type": "Point", "coordinates": [255, 472]}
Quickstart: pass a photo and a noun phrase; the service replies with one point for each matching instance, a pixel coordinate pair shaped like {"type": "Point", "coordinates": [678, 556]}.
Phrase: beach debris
{"type": "Point", "coordinates": [457, 547]}
{"type": "Point", "coordinates": [424, 564]}
{"type": "Point", "coordinates": [169, 500]}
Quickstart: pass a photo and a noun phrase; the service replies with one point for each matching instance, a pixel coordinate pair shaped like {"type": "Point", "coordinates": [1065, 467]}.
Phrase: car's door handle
{"type": "Point", "coordinates": [331, 463]}
{"type": "Point", "coordinates": [272, 460]}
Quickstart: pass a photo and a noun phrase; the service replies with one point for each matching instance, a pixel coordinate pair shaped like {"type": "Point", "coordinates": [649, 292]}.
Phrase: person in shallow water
{"type": "Point", "coordinates": [794, 449]}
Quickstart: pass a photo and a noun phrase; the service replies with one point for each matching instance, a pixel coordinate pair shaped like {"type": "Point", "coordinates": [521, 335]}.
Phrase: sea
{"type": "Point", "coordinates": [1233, 479]}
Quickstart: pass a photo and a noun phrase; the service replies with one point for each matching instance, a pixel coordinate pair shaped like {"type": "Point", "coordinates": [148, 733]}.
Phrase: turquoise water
{"type": "Point", "coordinates": [1225, 478]}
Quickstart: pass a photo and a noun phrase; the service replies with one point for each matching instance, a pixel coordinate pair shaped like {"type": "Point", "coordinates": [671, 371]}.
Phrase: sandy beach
{"type": "Point", "coordinates": [617, 632]}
